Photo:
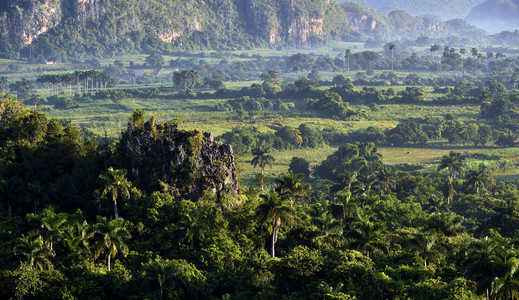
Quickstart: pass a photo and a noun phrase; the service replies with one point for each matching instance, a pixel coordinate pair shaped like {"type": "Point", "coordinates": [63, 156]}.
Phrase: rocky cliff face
{"type": "Point", "coordinates": [27, 20]}
{"type": "Point", "coordinates": [361, 22]}
{"type": "Point", "coordinates": [365, 19]}
{"type": "Point", "coordinates": [289, 21]}
{"type": "Point", "coordinates": [84, 10]}
{"type": "Point", "coordinates": [185, 163]}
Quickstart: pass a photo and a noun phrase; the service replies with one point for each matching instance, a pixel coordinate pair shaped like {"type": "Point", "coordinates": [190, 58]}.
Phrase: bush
{"type": "Point", "coordinates": [300, 165]}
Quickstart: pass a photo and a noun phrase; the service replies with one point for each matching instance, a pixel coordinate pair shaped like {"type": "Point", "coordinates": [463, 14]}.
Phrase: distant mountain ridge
{"type": "Point", "coordinates": [446, 9]}
{"type": "Point", "coordinates": [79, 29]}
{"type": "Point", "coordinates": [496, 15]}
{"type": "Point", "coordinates": [400, 23]}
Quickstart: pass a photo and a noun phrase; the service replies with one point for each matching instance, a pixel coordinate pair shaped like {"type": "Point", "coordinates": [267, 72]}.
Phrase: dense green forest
{"type": "Point", "coordinates": [246, 149]}
{"type": "Point", "coordinates": [159, 213]}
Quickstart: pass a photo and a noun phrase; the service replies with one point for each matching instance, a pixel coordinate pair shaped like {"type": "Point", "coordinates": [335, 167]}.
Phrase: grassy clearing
{"type": "Point", "coordinates": [399, 112]}
{"type": "Point", "coordinates": [106, 117]}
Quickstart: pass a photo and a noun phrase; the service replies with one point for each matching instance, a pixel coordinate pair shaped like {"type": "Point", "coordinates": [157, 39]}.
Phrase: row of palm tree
{"type": "Point", "coordinates": [106, 237]}
{"type": "Point", "coordinates": [90, 79]}
{"type": "Point", "coordinates": [352, 183]}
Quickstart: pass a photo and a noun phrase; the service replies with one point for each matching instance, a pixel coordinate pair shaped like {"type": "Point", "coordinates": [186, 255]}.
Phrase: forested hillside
{"type": "Point", "coordinates": [258, 149]}
{"type": "Point", "coordinates": [54, 28]}
{"type": "Point", "coordinates": [159, 215]}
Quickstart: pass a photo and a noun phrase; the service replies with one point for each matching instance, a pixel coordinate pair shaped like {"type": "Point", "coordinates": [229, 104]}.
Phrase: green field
{"type": "Point", "coordinates": [104, 117]}
{"type": "Point", "coordinates": [107, 117]}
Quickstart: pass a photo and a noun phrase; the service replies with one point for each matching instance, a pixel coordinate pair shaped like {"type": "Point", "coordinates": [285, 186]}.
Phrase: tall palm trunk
{"type": "Point", "coordinates": [273, 243]}
{"type": "Point", "coordinates": [108, 262]}
{"type": "Point", "coordinates": [275, 230]}
{"type": "Point", "coordinates": [392, 59]}
{"type": "Point", "coordinates": [115, 209]}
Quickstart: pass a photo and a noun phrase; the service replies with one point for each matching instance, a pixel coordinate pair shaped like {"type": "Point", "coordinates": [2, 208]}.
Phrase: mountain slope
{"type": "Point", "coordinates": [496, 15]}
{"type": "Point", "coordinates": [400, 24]}
{"type": "Point", "coordinates": [75, 28]}
{"type": "Point", "coordinates": [446, 9]}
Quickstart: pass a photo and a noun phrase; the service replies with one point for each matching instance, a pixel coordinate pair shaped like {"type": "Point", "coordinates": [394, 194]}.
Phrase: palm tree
{"type": "Point", "coordinates": [348, 54]}
{"type": "Point", "coordinates": [437, 203]}
{"type": "Point", "coordinates": [392, 48]}
{"type": "Point", "coordinates": [367, 203]}
{"type": "Point", "coordinates": [78, 235]}
{"type": "Point", "coordinates": [116, 184]}
{"type": "Point", "coordinates": [515, 77]}
{"type": "Point", "coordinates": [484, 263]}
{"type": "Point", "coordinates": [448, 191]}
{"type": "Point", "coordinates": [506, 287]}
{"type": "Point", "coordinates": [329, 229]}
{"type": "Point", "coordinates": [478, 179]}
{"type": "Point", "coordinates": [435, 49]}
{"type": "Point", "coordinates": [76, 241]}
{"type": "Point", "coordinates": [368, 236]}
{"type": "Point", "coordinates": [109, 238]}
{"type": "Point", "coordinates": [364, 184]}
{"type": "Point", "coordinates": [274, 208]}
{"type": "Point", "coordinates": [445, 223]}
{"type": "Point", "coordinates": [346, 179]}
{"type": "Point", "coordinates": [10, 191]}
{"type": "Point", "coordinates": [164, 272]}
{"type": "Point", "coordinates": [343, 207]}
{"type": "Point", "coordinates": [51, 225]}
{"type": "Point", "coordinates": [291, 185]}
{"type": "Point", "coordinates": [261, 158]}
{"type": "Point", "coordinates": [424, 244]}
{"type": "Point", "coordinates": [36, 253]}
{"type": "Point", "coordinates": [35, 193]}
{"type": "Point", "coordinates": [387, 179]}
{"type": "Point", "coordinates": [261, 180]}
{"type": "Point", "coordinates": [453, 162]}
{"type": "Point", "coordinates": [189, 228]}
